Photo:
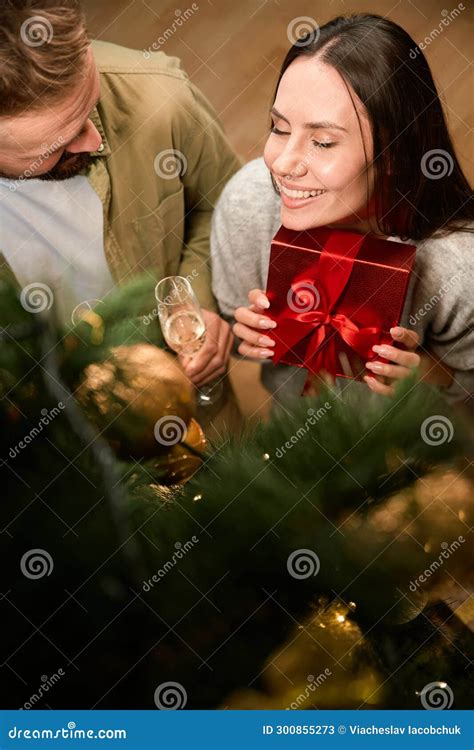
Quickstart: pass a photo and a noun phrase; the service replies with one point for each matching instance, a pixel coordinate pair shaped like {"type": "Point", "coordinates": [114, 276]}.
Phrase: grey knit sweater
{"type": "Point", "coordinates": [439, 304]}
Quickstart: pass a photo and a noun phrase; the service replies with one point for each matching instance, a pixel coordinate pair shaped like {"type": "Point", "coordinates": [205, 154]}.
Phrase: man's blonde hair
{"type": "Point", "coordinates": [42, 49]}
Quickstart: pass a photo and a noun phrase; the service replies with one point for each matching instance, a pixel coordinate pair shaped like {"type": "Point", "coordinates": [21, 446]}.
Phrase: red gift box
{"type": "Point", "coordinates": [334, 294]}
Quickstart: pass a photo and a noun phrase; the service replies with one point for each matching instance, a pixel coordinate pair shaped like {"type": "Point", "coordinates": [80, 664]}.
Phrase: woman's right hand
{"type": "Point", "coordinates": [254, 327]}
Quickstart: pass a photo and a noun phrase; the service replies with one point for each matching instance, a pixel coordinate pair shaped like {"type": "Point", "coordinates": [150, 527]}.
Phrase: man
{"type": "Point", "coordinates": [110, 165]}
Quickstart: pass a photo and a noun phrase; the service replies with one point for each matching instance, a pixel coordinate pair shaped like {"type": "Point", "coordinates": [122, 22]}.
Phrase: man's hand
{"type": "Point", "coordinates": [211, 360]}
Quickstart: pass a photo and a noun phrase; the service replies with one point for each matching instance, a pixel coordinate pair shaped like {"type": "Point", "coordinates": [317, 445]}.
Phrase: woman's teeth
{"type": "Point", "coordinates": [300, 193]}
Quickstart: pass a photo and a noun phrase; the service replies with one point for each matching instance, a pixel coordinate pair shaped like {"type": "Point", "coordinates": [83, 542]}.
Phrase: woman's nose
{"type": "Point", "coordinates": [88, 140]}
{"type": "Point", "coordinates": [291, 162]}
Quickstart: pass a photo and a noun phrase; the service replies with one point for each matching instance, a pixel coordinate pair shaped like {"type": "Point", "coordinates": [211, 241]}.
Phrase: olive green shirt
{"type": "Point", "coordinates": [159, 171]}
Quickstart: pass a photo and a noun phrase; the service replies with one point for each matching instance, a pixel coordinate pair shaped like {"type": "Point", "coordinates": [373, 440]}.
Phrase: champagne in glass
{"type": "Point", "coordinates": [185, 332]}
{"type": "Point", "coordinates": [183, 326]}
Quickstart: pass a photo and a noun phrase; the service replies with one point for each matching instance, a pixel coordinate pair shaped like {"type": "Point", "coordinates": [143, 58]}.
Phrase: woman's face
{"type": "Point", "coordinates": [315, 150]}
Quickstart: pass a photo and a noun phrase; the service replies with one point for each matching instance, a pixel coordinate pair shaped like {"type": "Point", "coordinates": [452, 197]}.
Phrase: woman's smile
{"type": "Point", "coordinates": [297, 197]}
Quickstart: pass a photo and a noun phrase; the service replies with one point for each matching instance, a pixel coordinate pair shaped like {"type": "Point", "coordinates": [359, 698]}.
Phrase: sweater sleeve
{"type": "Point", "coordinates": [442, 309]}
{"type": "Point", "coordinates": [232, 279]}
{"type": "Point", "coordinates": [246, 217]}
{"type": "Point", "coordinates": [243, 224]}
{"type": "Point", "coordinates": [210, 163]}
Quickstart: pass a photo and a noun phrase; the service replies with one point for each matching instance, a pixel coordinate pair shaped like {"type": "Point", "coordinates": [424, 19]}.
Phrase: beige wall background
{"type": "Point", "coordinates": [233, 49]}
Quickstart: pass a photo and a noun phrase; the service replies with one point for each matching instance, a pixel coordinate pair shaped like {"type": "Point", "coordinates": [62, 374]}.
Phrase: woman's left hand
{"type": "Point", "coordinates": [402, 362]}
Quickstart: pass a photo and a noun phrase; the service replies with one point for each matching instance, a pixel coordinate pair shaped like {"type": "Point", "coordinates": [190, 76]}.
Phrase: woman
{"type": "Point", "coordinates": [358, 141]}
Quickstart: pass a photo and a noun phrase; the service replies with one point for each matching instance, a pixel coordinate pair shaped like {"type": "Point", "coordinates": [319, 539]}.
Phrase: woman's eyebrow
{"type": "Point", "coordinates": [310, 125]}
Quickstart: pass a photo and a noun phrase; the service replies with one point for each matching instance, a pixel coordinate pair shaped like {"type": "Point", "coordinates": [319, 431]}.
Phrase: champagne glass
{"type": "Point", "coordinates": [183, 326]}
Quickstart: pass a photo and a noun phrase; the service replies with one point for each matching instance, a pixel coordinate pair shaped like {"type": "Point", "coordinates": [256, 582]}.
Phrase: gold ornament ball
{"type": "Point", "coordinates": [129, 392]}
{"type": "Point", "coordinates": [179, 464]}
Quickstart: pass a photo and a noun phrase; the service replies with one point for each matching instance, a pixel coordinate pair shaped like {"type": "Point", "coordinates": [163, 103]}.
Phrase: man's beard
{"type": "Point", "coordinates": [69, 165]}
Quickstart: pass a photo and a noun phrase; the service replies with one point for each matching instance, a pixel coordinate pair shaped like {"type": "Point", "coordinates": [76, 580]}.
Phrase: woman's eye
{"type": "Point", "coordinates": [278, 132]}
{"type": "Point", "coordinates": [322, 144]}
